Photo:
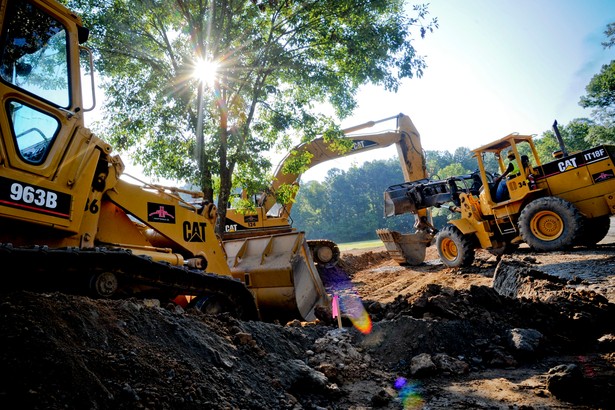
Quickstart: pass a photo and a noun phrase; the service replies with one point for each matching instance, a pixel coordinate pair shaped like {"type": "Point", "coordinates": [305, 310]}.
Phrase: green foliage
{"type": "Point", "coordinates": [574, 135]}
{"type": "Point", "coordinates": [452, 170]}
{"type": "Point", "coordinates": [297, 162]}
{"type": "Point", "coordinates": [277, 61]}
{"type": "Point", "coordinates": [348, 206]}
{"type": "Point", "coordinates": [436, 160]}
{"type": "Point", "coordinates": [600, 134]}
{"type": "Point", "coordinates": [464, 157]}
{"type": "Point", "coordinates": [610, 35]}
{"type": "Point", "coordinates": [601, 93]}
{"type": "Point", "coordinates": [285, 193]}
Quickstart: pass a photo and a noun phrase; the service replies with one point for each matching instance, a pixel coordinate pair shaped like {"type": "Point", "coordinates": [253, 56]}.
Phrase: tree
{"type": "Point", "coordinates": [436, 160]}
{"type": "Point", "coordinates": [465, 158]}
{"type": "Point", "coordinates": [610, 36]}
{"type": "Point", "coordinates": [453, 170]}
{"type": "Point", "coordinates": [600, 134]}
{"type": "Point", "coordinates": [348, 206]}
{"type": "Point", "coordinates": [601, 94]}
{"type": "Point", "coordinates": [601, 88]}
{"type": "Point", "coordinates": [275, 63]}
{"type": "Point", "coordinates": [583, 133]}
{"type": "Point", "coordinates": [574, 135]}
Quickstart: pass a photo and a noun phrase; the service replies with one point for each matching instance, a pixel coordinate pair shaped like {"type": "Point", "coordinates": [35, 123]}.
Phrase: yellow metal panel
{"type": "Point", "coordinates": [569, 181]}
{"type": "Point", "coordinates": [479, 228]}
{"type": "Point", "coordinates": [464, 225]}
{"type": "Point", "coordinates": [192, 234]}
{"type": "Point", "coordinates": [610, 201]}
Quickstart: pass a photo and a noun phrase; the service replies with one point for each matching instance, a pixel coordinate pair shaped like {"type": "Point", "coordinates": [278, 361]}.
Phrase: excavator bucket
{"type": "Point", "coordinates": [281, 274]}
{"type": "Point", "coordinates": [406, 249]}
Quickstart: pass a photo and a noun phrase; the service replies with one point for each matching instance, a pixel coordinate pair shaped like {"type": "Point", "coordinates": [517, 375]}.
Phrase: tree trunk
{"type": "Point", "coordinates": [223, 200]}
{"type": "Point", "coordinates": [225, 174]}
{"type": "Point", "coordinates": [207, 185]}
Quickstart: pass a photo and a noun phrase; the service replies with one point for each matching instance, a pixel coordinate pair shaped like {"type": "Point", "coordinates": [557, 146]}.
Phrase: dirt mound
{"type": "Point", "coordinates": [351, 263]}
{"type": "Point", "coordinates": [428, 337]}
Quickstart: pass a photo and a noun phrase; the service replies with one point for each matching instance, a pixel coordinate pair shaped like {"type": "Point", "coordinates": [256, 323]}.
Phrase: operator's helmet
{"type": "Point", "coordinates": [510, 155]}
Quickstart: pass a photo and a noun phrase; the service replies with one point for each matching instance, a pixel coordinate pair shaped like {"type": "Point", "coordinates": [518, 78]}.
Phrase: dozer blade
{"type": "Point", "coordinates": [406, 249]}
{"type": "Point", "coordinates": [281, 274]}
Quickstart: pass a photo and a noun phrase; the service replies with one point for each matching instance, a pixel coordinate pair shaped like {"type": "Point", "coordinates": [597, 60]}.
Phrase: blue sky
{"type": "Point", "coordinates": [494, 67]}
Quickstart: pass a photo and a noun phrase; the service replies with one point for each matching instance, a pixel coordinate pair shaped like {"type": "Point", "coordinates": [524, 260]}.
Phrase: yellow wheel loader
{"type": "Point", "coordinates": [270, 216]}
{"type": "Point", "coordinates": [550, 206]}
{"type": "Point", "coordinates": [69, 218]}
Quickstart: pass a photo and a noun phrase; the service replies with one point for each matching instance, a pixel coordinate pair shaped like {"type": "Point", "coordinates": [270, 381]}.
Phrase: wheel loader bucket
{"type": "Point", "coordinates": [406, 249]}
{"type": "Point", "coordinates": [280, 273]}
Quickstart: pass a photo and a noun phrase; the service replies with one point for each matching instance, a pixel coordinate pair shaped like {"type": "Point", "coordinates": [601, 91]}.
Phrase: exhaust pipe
{"type": "Point", "coordinates": [560, 140]}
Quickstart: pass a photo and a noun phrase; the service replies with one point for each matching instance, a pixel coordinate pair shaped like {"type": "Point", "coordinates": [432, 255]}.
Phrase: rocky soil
{"type": "Point", "coordinates": [527, 331]}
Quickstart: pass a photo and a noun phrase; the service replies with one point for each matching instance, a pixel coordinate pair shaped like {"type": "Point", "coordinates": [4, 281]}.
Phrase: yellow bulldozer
{"type": "Point", "coordinates": [551, 206]}
{"type": "Point", "coordinates": [70, 219]}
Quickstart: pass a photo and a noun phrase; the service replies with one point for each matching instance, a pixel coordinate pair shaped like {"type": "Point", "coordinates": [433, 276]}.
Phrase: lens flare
{"type": "Point", "coordinates": [338, 283]}
{"type": "Point", "coordinates": [352, 305]}
{"type": "Point", "coordinates": [408, 394]}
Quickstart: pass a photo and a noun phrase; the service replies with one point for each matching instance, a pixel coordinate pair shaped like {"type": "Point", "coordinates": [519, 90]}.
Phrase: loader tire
{"type": "Point", "coordinates": [594, 230]}
{"type": "Point", "coordinates": [550, 224]}
{"type": "Point", "coordinates": [455, 249]}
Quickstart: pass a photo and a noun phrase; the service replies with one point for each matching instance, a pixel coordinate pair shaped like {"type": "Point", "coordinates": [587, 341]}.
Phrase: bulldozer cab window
{"type": "Point", "coordinates": [33, 49]}
{"type": "Point", "coordinates": [33, 131]}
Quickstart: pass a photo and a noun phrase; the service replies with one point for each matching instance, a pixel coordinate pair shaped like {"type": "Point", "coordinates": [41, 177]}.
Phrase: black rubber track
{"type": "Point", "coordinates": [71, 270]}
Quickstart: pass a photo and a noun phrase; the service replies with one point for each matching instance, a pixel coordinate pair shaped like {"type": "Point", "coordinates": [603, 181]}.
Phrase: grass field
{"type": "Point", "coordinates": [360, 245]}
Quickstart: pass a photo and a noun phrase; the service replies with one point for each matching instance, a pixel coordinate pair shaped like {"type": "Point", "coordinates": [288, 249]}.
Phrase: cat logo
{"type": "Point", "coordinates": [358, 145]}
{"type": "Point", "coordinates": [570, 163]}
{"type": "Point", "coordinates": [194, 231]}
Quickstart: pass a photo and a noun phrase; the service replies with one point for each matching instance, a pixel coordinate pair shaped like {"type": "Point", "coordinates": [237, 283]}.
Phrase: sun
{"type": "Point", "coordinates": [205, 71]}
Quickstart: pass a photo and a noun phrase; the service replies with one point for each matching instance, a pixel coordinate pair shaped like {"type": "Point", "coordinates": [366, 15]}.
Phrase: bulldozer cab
{"type": "Point", "coordinates": [48, 175]}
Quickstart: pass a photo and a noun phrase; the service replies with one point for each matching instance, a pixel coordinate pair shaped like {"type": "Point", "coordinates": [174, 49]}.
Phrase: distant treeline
{"type": "Point", "coordinates": [348, 206]}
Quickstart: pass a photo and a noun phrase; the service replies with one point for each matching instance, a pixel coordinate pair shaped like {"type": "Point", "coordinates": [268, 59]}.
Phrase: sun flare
{"type": "Point", "coordinates": [205, 71]}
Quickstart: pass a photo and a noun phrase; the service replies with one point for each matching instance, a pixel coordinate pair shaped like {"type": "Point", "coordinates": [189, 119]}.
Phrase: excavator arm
{"type": "Point", "coordinates": [405, 137]}
{"type": "Point", "coordinates": [273, 217]}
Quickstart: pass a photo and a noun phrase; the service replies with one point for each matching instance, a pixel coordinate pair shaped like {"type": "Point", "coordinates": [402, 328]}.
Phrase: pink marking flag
{"type": "Point", "coordinates": [335, 307]}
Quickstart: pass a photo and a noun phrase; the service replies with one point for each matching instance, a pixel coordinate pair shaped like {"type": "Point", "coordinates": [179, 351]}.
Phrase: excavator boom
{"type": "Point", "coordinates": [271, 217]}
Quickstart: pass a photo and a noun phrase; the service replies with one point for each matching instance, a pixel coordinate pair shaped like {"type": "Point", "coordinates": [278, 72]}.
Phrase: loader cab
{"type": "Point", "coordinates": [493, 161]}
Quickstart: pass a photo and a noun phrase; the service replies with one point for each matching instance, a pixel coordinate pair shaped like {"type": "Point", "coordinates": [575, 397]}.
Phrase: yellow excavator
{"type": "Point", "coordinates": [270, 217]}
{"type": "Point", "coordinates": [70, 218]}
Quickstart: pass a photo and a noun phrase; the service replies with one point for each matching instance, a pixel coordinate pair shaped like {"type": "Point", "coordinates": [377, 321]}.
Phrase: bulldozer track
{"type": "Point", "coordinates": [72, 270]}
